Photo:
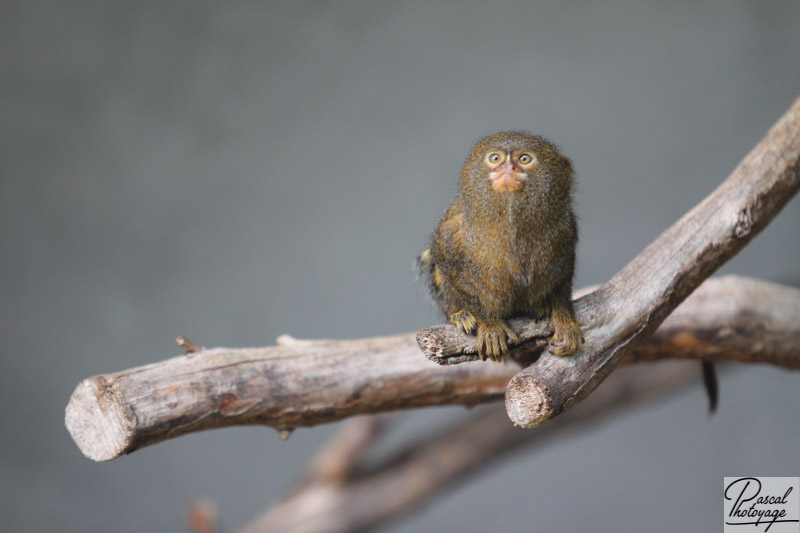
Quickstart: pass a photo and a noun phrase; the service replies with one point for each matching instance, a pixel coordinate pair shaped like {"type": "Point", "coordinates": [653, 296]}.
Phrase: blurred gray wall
{"type": "Point", "coordinates": [231, 172]}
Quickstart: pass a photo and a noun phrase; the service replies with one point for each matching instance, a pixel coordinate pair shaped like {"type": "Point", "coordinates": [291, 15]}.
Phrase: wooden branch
{"type": "Point", "coordinates": [301, 383]}
{"type": "Point", "coordinates": [413, 477]}
{"type": "Point", "coordinates": [297, 383]}
{"type": "Point", "coordinates": [631, 305]}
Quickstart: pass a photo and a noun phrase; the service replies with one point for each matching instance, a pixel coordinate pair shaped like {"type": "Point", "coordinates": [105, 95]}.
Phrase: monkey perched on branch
{"type": "Point", "coordinates": [506, 244]}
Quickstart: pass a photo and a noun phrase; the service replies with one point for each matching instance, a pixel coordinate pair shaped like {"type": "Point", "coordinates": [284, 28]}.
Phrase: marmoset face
{"type": "Point", "coordinates": [508, 168]}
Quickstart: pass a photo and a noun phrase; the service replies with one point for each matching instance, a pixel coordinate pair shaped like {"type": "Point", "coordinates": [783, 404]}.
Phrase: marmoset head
{"type": "Point", "coordinates": [514, 162]}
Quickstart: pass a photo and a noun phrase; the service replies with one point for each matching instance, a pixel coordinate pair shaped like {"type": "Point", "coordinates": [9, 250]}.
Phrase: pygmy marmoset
{"type": "Point", "coordinates": [506, 244]}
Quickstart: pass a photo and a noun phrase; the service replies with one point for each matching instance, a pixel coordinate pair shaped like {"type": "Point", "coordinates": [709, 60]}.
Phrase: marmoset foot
{"type": "Point", "coordinates": [567, 337]}
{"type": "Point", "coordinates": [493, 339]}
{"type": "Point", "coordinates": [465, 321]}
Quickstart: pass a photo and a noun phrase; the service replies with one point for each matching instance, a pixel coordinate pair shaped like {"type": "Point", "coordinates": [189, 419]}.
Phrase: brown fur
{"type": "Point", "coordinates": [496, 255]}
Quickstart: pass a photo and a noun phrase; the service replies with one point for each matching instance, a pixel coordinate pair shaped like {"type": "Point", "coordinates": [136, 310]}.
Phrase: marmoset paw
{"type": "Point", "coordinates": [567, 338]}
{"type": "Point", "coordinates": [465, 321]}
{"type": "Point", "coordinates": [493, 340]}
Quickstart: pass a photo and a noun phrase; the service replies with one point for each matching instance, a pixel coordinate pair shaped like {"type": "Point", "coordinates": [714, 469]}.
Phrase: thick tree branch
{"type": "Point", "coordinates": [375, 494]}
{"type": "Point", "coordinates": [301, 383]}
{"type": "Point", "coordinates": [631, 305]}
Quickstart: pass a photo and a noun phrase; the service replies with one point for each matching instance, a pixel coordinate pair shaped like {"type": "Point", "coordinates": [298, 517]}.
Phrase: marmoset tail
{"type": "Point", "coordinates": [506, 244]}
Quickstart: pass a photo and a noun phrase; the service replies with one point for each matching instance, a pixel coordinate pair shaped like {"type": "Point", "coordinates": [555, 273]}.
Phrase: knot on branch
{"type": "Point", "coordinates": [744, 223]}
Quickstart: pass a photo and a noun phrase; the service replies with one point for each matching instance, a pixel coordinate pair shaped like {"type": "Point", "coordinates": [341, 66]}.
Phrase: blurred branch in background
{"type": "Point", "coordinates": [373, 494]}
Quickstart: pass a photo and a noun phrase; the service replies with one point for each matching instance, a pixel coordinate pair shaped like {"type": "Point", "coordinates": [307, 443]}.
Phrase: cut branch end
{"type": "Point", "coordinates": [97, 421]}
{"type": "Point", "coordinates": [528, 403]}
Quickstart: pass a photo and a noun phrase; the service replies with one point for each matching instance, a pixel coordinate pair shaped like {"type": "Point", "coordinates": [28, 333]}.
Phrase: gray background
{"type": "Point", "coordinates": [234, 172]}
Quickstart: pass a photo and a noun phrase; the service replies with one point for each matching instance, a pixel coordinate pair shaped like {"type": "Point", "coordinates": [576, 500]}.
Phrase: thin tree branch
{"type": "Point", "coordinates": [631, 305]}
{"type": "Point", "coordinates": [420, 472]}
{"type": "Point", "coordinates": [343, 454]}
{"type": "Point", "coordinates": [301, 383]}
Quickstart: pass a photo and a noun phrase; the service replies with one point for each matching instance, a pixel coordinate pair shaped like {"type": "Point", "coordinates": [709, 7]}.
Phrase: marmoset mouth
{"type": "Point", "coordinates": [507, 181]}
